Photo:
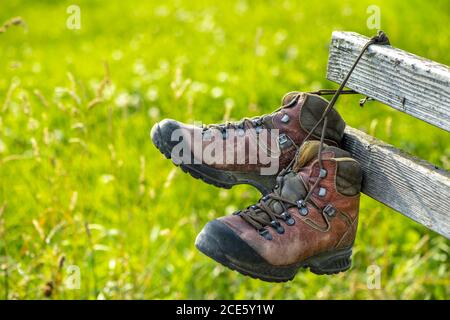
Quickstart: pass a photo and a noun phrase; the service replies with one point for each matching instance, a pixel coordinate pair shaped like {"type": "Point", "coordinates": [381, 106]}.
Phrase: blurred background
{"type": "Point", "coordinates": [89, 209]}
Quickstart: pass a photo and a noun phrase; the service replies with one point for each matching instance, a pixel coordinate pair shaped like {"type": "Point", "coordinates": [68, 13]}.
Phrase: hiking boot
{"type": "Point", "coordinates": [251, 151]}
{"type": "Point", "coordinates": [309, 220]}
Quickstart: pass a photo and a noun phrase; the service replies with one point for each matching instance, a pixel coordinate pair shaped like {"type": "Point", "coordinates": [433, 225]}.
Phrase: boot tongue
{"type": "Point", "coordinates": [292, 189]}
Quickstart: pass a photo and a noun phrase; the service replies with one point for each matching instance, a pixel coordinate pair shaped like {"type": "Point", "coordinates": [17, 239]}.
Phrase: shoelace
{"type": "Point", "coordinates": [240, 125]}
{"type": "Point", "coordinates": [256, 121]}
{"type": "Point", "coordinates": [259, 120]}
{"type": "Point", "coordinates": [261, 215]}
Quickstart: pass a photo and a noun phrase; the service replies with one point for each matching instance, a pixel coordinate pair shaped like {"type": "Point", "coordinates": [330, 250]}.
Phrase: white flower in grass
{"type": "Point", "coordinates": [292, 52]}
{"type": "Point", "coordinates": [60, 92]}
{"type": "Point", "coordinates": [260, 50]}
{"type": "Point", "coordinates": [135, 100]}
{"type": "Point", "coordinates": [124, 99]}
{"type": "Point", "coordinates": [216, 92]}
{"type": "Point", "coordinates": [58, 135]}
{"type": "Point", "coordinates": [101, 296]}
{"type": "Point", "coordinates": [112, 264]}
{"type": "Point", "coordinates": [207, 24]}
{"type": "Point", "coordinates": [230, 209]}
{"type": "Point", "coordinates": [198, 87]}
{"type": "Point", "coordinates": [153, 113]}
{"type": "Point", "coordinates": [223, 194]}
{"type": "Point", "coordinates": [107, 178]}
{"type": "Point", "coordinates": [280, 37]}
{"type": "Point", "coordinates": [222, 76]}
{"type": "Point", "coordinates": [139, 68]}
{"type": "Point", "coordinates": [109, 91]}
{"type": "Point", "coordinates": [229, 103]}
{"type": "Point", "coordinates": [347, 11]}
{"type": "Point", "coordinates": [152, 94]}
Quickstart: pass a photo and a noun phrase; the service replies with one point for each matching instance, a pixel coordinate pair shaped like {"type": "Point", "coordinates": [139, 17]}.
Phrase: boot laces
{"type": "Point", "coordinates": [261, 214]}
{"type": "Point", "coordinates": [255, 121]}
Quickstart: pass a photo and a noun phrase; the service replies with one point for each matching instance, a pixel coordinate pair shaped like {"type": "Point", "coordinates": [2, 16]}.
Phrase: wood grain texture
{"type": "Point", "coordinates": [409, 185]}
{"type": "Point", "coordinates": [406, 82]}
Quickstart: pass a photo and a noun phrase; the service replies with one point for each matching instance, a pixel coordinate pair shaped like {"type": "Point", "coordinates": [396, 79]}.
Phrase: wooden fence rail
{"type": "Point", "coordinates": [418, 87]}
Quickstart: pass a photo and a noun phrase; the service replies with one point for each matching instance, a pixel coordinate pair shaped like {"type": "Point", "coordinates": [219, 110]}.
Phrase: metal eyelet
{"type": "Point", "coordinates": [304, 211]}
{"type": "Point", "coordinates": [302, 208]}
{"type": "Point", "coordinates": [258, 129]}
{"type": "Point", "coordinates": [256, 122]}
{"type": "Point", "coordinates": [282, 139]}
{"type": "Point", "coordinates": [241, 132]}
{"type": "Point", "coordinates": [285, 118]}
{"type": "Point", "coordinates": [288, 218]}
{"type": "Point", "coordinates": [322, 173]}
{"type": "Point", "coordinates": [265, 198]}
{"type": "Point", "coordinates": [329, 210]}
{"type": "Point", "coordinates": [322, 192]}
{"type": "Point", "coordinates": [265, 234]}
{"type": "Point", "coordinates": [277, 226]}
{"type": "Point", "coordinates": [301, 203]}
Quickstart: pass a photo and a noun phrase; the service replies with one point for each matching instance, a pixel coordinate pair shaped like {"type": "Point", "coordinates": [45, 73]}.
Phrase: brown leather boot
{"type": "Point", "coordinates": [309, 220]}
{"type": "Point", "coordinates": [260, 155]}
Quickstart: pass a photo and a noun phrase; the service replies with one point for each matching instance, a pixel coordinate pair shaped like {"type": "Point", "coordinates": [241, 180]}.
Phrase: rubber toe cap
{"type": "Point", "coordinates": [221, 243]}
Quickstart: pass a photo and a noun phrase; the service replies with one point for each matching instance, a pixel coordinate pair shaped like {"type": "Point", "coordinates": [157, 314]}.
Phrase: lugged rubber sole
{"type": "Point", "coordinates": [326, 263]}
{"type": "Point", "coordinates": [219, 178]}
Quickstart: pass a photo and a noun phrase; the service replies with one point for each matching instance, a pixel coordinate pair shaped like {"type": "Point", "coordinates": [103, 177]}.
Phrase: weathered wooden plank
{"type": "Point", "coordinates": [406, 82]}
{"type": "Point", "coordinates": [411, 186]}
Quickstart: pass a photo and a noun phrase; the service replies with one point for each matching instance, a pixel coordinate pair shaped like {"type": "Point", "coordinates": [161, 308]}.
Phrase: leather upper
{"type": "Point", "coordinates": [247, 150]}
{"type": "Point", "coordinates": [316, 232]}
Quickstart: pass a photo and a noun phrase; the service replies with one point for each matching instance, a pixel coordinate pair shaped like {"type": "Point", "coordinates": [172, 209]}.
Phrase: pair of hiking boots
{"type": "Point", "coordinates": [308, 214]}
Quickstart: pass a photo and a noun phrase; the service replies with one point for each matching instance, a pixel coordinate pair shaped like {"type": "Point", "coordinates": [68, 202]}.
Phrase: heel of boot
{"type": "Point", "coordinates": [331, 262]}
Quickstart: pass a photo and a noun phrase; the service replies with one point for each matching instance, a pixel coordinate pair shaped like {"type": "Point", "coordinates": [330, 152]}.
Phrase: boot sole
{"type": "Point", "coordinates": [219, 178]}
{"type": "Point", "coordinates": [326, 263]}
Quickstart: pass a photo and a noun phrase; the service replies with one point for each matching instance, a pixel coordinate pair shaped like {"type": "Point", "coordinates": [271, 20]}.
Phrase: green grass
{"type": "Point", "coordinates": [66, 169]}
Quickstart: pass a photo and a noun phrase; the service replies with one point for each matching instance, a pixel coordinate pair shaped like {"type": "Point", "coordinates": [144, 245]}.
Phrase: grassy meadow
{"type": "Point", "coordinates": [83, 190]}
